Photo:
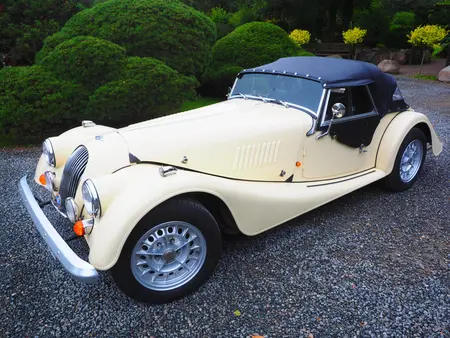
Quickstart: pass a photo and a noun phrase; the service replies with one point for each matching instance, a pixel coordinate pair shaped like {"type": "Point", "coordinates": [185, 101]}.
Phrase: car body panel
{"type": "Point", "coordinates": [396, 132]}
{"type": "Point", "coordinates": [239, 139]}
{"type": "Point", "coordinates": [255, 206]}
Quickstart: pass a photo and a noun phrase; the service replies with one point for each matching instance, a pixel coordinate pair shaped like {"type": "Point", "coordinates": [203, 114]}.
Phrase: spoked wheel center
{"type": "Point", "coordinates": [168, 256]}
{"type": "Point", "coordinates": [411, 160]}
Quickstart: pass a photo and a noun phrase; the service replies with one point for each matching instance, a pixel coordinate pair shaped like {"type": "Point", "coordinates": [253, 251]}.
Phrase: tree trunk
{"type": "Point", "coordinates": [421, 63]}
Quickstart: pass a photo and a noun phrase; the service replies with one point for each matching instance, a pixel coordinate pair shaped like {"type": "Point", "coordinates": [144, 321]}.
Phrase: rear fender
{"type": "Point", "coordinates": [395, 134]}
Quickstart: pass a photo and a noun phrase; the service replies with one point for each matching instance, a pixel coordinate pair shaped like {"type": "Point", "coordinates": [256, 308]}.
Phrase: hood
{"type": "Point", "coordinates": [241, 139]}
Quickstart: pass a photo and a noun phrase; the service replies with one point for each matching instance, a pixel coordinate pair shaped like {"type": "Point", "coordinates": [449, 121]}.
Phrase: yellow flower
{"type": "Point", "coordinates": [354, 35]}
{"type": "Point", "coordinates": [427, 36]}
{"type": "Point", "coordinates": [300, 37]}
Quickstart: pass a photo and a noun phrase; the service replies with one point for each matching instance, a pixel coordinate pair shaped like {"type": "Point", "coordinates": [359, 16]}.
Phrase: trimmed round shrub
{"type": "Point", "coordinates": [167, 30]}
{"type": "Point", "coordinates": [254, 44]}
{"type": "Point", "coordinates": [50, 44]}
{"type": "Point", "coordinates": [36, 105]}
{"type": "Point", "coordinates": [89, 61]}
{"type": "Point", "coordinates": [216, 81]}
{"type": "Point", "coordinates": [146, 89]}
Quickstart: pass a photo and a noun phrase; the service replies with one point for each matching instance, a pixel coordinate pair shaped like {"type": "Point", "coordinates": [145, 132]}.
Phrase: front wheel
{"type": "Point", "coordinates": [170, 253]}
{"type": "Point", "coordinates": [408, 162]}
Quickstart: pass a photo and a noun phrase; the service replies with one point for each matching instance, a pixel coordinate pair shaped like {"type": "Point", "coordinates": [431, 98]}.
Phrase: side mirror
{"type": "Point", "coordinates": [338, 110]}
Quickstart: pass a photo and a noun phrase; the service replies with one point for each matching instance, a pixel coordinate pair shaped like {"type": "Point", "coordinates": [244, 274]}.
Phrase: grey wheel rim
{"type": "Point", "coordinates": [168, 256]}
{"type": "Point", "coordinates": [411, 161]}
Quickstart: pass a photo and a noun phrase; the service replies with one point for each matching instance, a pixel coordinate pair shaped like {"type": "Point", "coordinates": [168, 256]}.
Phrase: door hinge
{"type": "Point", "coordinates": [361, 149]}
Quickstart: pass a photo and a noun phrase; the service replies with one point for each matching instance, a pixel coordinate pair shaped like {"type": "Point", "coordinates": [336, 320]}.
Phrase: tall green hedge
{"type": "Point", "coordinates": [167, 30]}
{"type": "Point", "coordinates": [145, 89]}
{"type": "Point", "coordinates": [89, 61]}
{"type": "Point", "coordinates": [35, 104]}
{"type": "Point", "coordinates": [254, 44]}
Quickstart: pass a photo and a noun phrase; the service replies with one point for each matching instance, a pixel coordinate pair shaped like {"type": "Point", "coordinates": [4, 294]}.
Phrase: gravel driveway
{"type": "Point", "coordinates": [370, 264]}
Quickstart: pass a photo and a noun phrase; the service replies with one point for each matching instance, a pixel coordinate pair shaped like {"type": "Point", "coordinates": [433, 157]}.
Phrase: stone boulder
{"type": "Point", "coordinates": [444, 75]}
{"type": "Point", "coordinates": [389, 66]}
{"type": "Point", "coordinates": [335, 56]}
{"type": "Point", "coordinates": [400, 57]}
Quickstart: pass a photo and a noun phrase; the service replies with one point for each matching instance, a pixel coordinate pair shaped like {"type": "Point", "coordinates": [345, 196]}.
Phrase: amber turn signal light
{"type": "Point", "coordinates": [298, 164]}
{"type": "Point", "coordinates": [78, 228]}
{"type": "Point", "coordinates": [42, 179]}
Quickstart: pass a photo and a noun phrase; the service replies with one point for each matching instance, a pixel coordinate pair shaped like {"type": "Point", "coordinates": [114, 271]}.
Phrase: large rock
{"type": "Point", "coordinates": [335, 56]}
{"type": "Point", "coordinates": [444, 75]}
{"type": "Point", "coordinates": [400, 57]}
{"type": "Point", "coordinates": [389, 66]}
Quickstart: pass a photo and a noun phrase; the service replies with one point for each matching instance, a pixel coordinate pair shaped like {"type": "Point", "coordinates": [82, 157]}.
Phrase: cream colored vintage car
{"type": "Point", "coordinates": [152, 199]}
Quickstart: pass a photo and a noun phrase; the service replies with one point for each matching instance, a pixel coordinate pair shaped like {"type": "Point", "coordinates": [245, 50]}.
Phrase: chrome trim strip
{"type": "Point", "coordinates": [345, 180]}
{"type": "Point", "coordinates": [321, 110]}
{"type": "Point", "coordinates": [78, 268]}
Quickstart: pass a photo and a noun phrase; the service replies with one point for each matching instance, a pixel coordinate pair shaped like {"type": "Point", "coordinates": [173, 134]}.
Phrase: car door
{"type": "Point", "coordinates": [348, 147]}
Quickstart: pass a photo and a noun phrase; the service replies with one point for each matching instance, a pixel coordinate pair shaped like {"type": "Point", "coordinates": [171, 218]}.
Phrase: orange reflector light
{"type": "Point", "coordinates": [78, 228]}
{"type": "Point", "coordinates": [298, 164]}
{"type": "Point", "coordinates": [42, 179]}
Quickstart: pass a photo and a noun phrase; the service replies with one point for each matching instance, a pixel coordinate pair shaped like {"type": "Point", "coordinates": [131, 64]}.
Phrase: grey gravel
{"type": "Point", "coordinates": [371, 264]}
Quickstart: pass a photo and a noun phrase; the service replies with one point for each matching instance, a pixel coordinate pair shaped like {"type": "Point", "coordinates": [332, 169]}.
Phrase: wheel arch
{"type": "Point", "coordinates": [216, 206]}
{"type": "Point", "coordinates": [396, 131]}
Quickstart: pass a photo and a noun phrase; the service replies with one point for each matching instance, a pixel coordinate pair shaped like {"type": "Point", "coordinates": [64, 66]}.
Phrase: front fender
{"type": "Point", "coordinates": [396, 132]}
{"type": "Point", "coordinates": [126, 197]}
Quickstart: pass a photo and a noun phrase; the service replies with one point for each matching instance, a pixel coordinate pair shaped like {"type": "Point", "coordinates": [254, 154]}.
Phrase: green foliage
{"type": "Point", "coordinates": [376, 21]}
{"type": "Point", "coordinates": [50, 43]}
{"type": "Point", "coordinates": [242, 16]}
{"type": "Point", "coordinates": [354, 36]}
{"type": "Point", "coordinates": [145, 89]}
{"type": "Point", "coordinates": [36, 105]}
{"type": "Point", "coordinates": [427, 36]}
{"type": "Point", "coordinates": [301, 37]}
{"type": "Point", "coordinates": [167, 30]}
{"type": "Point", "coordinates": [401, 25]}
{"type": "Point", "coordinates": [24, 24]}
{"type": "Point", "coordinates": [215, 81]}
{"type": "Point", "coordinates": [198, 103]}
{"type": "Point", "coordinates": [89, 61]}
{"type": "Point", "coordinates": [403, 19]}
{"type": "Point", "coordinates": [253, 44]}
{"type": "Point", "coordinates": [222, 20]}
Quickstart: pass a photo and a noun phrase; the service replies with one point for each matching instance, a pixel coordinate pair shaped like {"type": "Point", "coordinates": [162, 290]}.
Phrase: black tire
{"type": "Point", "coordinates": [174, 210]}
{"type": "Point", "coordinates": [393, 182]}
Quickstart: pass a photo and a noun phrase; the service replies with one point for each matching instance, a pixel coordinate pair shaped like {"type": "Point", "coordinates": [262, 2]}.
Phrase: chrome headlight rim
{"type": "Point", "coordinates": [91, 198]}
{"type": "Point", "coordinates": [71, 209]}
{"type": "Point", "coordinates": [49, 152]}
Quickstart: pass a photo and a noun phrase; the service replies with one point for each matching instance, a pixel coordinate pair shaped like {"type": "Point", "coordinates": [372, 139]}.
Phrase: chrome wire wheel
{"type": "Point", "coordinates": [168, 256]}
{"type": "Point", "coordinates": [411, 161]}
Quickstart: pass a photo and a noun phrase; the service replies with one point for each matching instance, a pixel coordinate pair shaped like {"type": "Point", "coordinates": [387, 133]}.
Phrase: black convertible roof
{"type": "Point", "coordinates": [336, 73]}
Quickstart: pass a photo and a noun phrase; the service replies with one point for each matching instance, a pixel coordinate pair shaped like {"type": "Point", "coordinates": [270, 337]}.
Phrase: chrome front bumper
{"type": "Point", "coordinates": [78, 268]}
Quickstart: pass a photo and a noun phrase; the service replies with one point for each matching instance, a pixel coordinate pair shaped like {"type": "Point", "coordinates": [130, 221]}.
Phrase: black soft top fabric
{"type": "Point", "coordinates": [334, 73]}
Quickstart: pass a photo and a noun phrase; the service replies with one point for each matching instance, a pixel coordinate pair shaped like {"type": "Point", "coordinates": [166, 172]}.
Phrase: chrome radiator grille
{"type": "Point", "coordinates": [74, 168]}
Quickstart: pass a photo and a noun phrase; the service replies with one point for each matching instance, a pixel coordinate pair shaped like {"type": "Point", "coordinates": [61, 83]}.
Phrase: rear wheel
{"type": "Point", "coordinates": [171, 253]}
{"type": "Point", "coordinates": [408, 163]}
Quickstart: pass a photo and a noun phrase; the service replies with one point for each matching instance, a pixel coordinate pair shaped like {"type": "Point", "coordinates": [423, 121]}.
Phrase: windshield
{"type": "Point", "coordinates": [288, 90]}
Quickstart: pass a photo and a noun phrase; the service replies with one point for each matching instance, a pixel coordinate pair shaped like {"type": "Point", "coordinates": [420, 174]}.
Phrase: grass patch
{"type": "Point", "coordinates": [425, 77]}
{"type": "Point", "coordinates": [201, 102]}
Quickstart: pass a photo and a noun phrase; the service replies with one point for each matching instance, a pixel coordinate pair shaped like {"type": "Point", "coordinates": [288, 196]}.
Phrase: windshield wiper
{"type": "Point", "coordinates": [285, 104]}
{"type": "Point", "coordinates": [244, 96]}
{"type": "Point", "coordinates": [263, 98]}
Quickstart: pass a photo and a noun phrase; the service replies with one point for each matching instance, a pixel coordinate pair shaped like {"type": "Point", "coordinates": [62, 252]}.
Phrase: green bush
{"type": "Point", "coordinates": [402, 24]}
{"type": "Point", "coordinates": [377, 21]}
{"type": "Point", "coordinates": [36, 105]}
{"type": "Point", "coordinates": [167, 30]}
{"type": "Point", "coordinates": [146, 89]}
{"type": "Point", "coordinates": [254, 44]}
{"type": "Point", "coordinates": [89, 61]}
{"type": "Point", "coordinates": [50, 44]}
{"type": "Point", "coordinates": [215, 82]}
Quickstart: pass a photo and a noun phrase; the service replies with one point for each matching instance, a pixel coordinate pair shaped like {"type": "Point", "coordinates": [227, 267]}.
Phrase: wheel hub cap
{"type": "Point", "coordinates": [411, 161]}
{"type": "Point", "coordinates": [168, 256]}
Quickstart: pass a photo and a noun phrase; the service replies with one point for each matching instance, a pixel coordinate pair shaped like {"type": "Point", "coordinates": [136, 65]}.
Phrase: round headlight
{"type": "Point", "coordinates": [91, 199]}
{"type": "Point", "coordinates": [47, 150]}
